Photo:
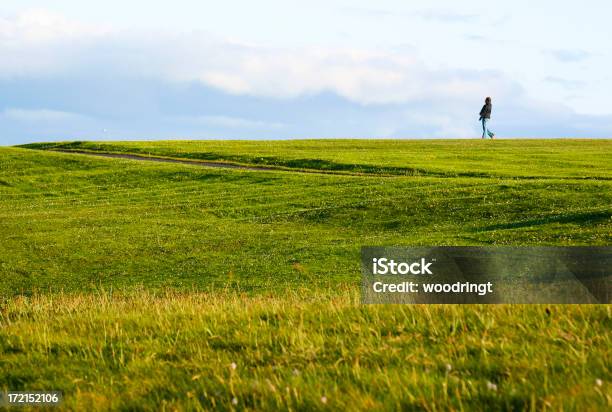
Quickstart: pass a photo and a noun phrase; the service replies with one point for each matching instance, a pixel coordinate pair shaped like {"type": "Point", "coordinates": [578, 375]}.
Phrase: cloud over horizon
{"type": "Point", "coordinates": [39, 43]}
{"type": "Point", "coordinates": [52, 69]}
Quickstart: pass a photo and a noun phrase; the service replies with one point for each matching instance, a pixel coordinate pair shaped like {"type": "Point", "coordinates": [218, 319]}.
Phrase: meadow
{"type": "Point", "coordinates": [525, 158]}
{"type": "Point", "coordinates": [155, 286]}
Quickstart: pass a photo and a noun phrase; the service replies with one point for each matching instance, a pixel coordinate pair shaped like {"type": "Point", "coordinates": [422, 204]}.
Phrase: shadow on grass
{"type": "Point", "coordinates": [580, 218]}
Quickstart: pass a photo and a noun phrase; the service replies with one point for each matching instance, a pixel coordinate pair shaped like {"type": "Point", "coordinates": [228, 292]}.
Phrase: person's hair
{"type": "Point", "coordinates": [488, 100]}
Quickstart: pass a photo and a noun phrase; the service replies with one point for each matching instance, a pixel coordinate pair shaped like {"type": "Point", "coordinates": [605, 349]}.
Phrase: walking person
{"type": "Point", "coordinates": [485, 116]}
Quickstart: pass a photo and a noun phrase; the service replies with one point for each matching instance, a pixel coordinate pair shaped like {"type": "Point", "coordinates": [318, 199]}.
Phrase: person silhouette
{"type": "Point", "coordinates": [485, 116]}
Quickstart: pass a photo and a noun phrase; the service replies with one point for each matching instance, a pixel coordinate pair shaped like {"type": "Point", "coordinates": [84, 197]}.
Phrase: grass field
{"type": "Point", "coordinates": [472, 158]}
{"type": "Point", "coordinates": [147, 286]}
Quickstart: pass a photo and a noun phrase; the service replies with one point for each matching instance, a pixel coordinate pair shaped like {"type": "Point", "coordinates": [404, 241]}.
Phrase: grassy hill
{"type": "Point", "coordinates": [523, 158]}
{"type": "Point", "coordinates": [149, 285]}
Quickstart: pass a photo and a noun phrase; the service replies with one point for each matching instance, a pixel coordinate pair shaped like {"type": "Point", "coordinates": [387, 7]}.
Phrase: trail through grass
{"type": "Point", "coordinates": [524, 158]}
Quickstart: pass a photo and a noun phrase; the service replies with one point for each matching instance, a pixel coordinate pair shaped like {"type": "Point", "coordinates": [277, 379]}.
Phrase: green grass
{"type": "Point", "coordinates": [485, 158]}
{"type": "Point", "coordinates": [176, 351]}
{"type": "Point", "coordinates": [135, 285]}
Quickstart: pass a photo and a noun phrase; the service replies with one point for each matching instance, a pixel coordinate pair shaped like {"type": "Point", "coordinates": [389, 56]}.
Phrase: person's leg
{"type": "Point", "coordinates": [490, 133]}
{"type": "Point", "coordinates": [485, 129]}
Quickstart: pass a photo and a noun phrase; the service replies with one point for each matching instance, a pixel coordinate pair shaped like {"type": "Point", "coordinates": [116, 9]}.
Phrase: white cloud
{"type": "Point", "coordinates": [363, 76]}
{"type": "Point", "coordinates": [229, 122]}
{"type": "Point", "coordinates": [39, 26]}
{"type": "Point", "coordinates": [42, 43]}
{"type": "Point", "coordinates": [565, 83]}
{"type": "Point", "coordinates": [438, 15]}
{"type": "Point", "coordinates": [447, 16]}
{"type": "Point", "coordinates": [566, 55]}
{"type": "Point", "coordinates": [40, 115]}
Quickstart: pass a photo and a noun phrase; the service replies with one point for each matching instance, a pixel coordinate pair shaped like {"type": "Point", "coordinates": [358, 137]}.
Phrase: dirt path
{"type": "Point", "coordinates": [224, 165]}
{"type": "Point", "coordinates": [220, 165]}
{"type": "Point", "coordinates": [167, 160]}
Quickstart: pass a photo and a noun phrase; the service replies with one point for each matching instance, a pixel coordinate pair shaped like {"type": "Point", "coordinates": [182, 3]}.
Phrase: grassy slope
{"type": "Point", "coordinates": [92, 227]}
{"type": "Point", "coordinates": [507, 158]}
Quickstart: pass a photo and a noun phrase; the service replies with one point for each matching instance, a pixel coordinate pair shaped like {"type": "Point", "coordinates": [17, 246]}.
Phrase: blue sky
{"type": "Point", "coordinates": [283, 69]}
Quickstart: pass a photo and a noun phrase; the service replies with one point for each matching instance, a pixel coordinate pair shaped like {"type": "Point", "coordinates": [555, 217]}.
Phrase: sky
{"type": "Point", "coordinates": [189, 69]}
